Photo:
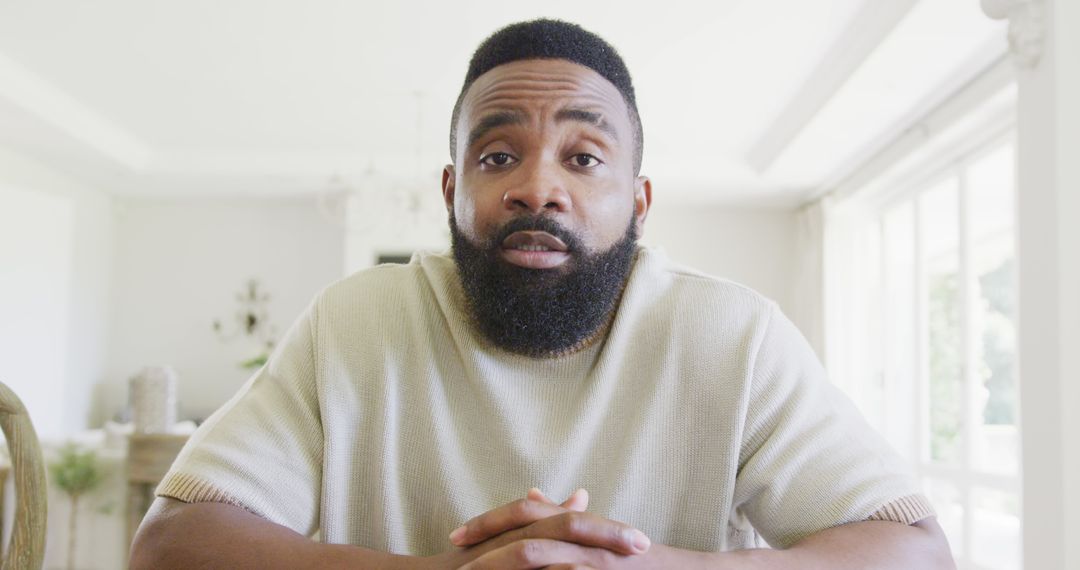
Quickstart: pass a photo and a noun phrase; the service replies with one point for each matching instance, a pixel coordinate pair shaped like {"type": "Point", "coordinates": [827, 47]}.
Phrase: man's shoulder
{"type": "Point", "coordinates": [667, 280]}
{"type": "Point", "coordinates": [390, 284]}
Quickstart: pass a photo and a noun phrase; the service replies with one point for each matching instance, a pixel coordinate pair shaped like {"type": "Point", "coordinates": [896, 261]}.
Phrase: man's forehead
{"type": "Point", "coordinates": [560, 81]}
{"type": "Point", "coordinates": [486, 122]}
{"type": "Point", "coordinates": [565, 89]}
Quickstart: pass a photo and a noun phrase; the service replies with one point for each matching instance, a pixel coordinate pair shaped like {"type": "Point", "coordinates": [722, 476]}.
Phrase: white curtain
{"type": "Point", "coordinates": [807, 310]}
{"type": "Point", "coordinates": [852, 293]}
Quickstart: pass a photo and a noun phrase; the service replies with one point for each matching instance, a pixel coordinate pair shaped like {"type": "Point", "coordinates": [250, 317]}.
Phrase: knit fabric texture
{"type": "Point", "coordinates": [702, 417]}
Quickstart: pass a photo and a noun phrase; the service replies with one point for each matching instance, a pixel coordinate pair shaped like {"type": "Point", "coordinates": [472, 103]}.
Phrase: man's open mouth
{"type": "Point", "coordinates": [534, 250]}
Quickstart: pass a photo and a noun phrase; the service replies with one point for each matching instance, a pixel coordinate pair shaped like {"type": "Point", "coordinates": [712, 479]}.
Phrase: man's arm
{"type": "Point", "coordinates": [177, 535]}
{"type": "Point", "coordinates": [213, 535]}
{"type": "Point", "coordinates": [869, 544]}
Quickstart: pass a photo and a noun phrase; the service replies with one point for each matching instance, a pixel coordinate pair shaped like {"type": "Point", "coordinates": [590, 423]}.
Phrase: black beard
{"type": "Point", "coordinates": [542, 312]}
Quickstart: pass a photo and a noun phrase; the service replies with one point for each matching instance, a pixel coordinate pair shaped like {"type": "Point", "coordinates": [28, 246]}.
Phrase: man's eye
{"type": "Point", "coordinates": [585, 160]}
{"type": "Point", "coordinates": [497, 159]}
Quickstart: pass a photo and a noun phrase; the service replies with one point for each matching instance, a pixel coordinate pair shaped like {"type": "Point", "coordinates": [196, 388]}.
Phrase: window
{"type": "Point", "coordinates": [923, 337]}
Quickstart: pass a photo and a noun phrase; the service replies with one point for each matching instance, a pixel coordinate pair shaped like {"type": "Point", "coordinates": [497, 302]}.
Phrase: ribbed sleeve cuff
{"type": "Point", "coordinates": [907, 510]}
{"type": "Point", "coordinates": [190, 489]}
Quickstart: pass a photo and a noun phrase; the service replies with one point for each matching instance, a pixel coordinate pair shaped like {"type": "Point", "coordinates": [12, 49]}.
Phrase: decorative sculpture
{"type": "Point", "coordinates": [1027, 27]}
{"type": "Point", "coordinates": [252, 321]}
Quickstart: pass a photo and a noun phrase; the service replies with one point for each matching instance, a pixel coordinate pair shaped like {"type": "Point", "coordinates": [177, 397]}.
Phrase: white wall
{"type": "Point", "coordinates": [180, 264]}
{"type": "Point", "coordinates": [774, 250]}
{"type": "Point", "coordinates": [35, 264]}
{"type": "Point", "coordinates": [55, 275]}
{"type": "Point", "coordinates": [393, 223]}
{"type": "Point", "coordinates": [751, 245]}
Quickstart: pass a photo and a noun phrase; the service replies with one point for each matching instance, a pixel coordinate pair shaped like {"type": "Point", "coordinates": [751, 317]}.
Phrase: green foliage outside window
{"type": "Point", "coordinates": [943, 304]}
{"type": "Point", "coordinates": [995, 359]}
{"type": "Point", "coordinates": [998, 359]}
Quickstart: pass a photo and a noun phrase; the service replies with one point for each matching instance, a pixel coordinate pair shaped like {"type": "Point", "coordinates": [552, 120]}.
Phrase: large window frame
{"type": "Point", "coordinates": [862, 355]}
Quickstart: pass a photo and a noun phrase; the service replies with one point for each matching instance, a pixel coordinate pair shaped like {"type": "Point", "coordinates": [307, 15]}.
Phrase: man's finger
{"type": "Point", "coordinates": [501, 519]}
{"type": "Point", "coordinates": [540, 553]}
{"type": "Point", "coordinates": [578, 500]}
{"type": "Point", "coordinates": [536, 494]}
{"type": "Point", "coordinates": [588, 529]}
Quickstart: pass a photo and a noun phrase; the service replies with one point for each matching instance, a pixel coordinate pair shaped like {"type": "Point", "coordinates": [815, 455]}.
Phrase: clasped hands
{"type": "Point", "coordinates": [534, 532]}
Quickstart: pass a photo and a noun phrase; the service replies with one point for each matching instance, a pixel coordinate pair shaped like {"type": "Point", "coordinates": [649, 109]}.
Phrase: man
{"type": "Point", "coordinates": [548, 354]}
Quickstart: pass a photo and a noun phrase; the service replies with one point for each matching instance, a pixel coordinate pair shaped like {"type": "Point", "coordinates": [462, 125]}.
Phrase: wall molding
{"type": "Point", "coordinates": [1027, 27]}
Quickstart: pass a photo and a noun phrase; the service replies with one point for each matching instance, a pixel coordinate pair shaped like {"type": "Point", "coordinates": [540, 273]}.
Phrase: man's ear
{"type": "Point", "coordinates": [448, 187]}
{"type": "Point", "coordinates": [642, 202]}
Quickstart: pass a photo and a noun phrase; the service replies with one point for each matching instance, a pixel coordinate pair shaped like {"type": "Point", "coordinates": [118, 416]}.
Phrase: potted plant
{"type": "Point", "coordinates": [76, 473]}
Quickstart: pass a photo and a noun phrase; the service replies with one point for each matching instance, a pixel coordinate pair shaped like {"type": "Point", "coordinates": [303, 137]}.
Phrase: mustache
{"type": "Point", "coordinates": [536, 224]}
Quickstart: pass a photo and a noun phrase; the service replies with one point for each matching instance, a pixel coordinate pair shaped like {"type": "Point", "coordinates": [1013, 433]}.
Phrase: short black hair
{"type": "Point", "coordinates": [552, 39]}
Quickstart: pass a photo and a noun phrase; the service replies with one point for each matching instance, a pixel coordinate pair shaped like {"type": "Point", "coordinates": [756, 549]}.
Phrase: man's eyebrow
{"type": "Point", "coordinates": [591, 117]}
{"type": "Point", "coordinates": [493, 121]}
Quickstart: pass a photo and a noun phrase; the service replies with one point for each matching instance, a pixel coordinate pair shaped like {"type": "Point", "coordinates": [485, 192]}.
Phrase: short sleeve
{"type": "Point", "coordinates": [808, 459]}
{"type": "Point", "coordinates": [263, 449]}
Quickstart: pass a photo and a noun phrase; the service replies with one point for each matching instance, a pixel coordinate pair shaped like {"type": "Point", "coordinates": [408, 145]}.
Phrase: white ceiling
{"type": "Point", "coordinates": [759, 100]}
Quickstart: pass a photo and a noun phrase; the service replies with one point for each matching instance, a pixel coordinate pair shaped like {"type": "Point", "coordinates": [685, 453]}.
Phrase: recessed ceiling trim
{"type": "Point", "coordinates": [37, 96]}
{"type": "Point", "coordinates": [986, 65]}
{"type": "Point", "coordinates": [870, 26]}
{"type": "Point", "coordinates": [948, 113]}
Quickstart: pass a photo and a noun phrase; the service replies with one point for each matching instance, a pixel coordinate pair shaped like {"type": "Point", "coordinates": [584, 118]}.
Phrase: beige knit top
{"type": "Point", "coordinates": [702, 418]}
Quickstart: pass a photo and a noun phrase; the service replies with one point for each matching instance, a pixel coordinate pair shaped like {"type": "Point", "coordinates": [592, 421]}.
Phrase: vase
{"type": "Point", "coordinates": [153, 399]}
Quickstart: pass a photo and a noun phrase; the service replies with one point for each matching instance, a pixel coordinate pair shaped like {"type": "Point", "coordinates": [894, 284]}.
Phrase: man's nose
{"type": "Point", "coordinates": [542, 190]}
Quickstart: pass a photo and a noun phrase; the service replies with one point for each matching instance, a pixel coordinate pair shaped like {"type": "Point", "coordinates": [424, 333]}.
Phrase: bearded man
{"type": "Point", "coordinates": [420, 416]}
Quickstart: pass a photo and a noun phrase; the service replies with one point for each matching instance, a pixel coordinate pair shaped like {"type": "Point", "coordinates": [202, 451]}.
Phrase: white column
{"type": "Point", "coordinates": [1043, 37]}
{"type": "Point", "coordinates": [1067, 44]}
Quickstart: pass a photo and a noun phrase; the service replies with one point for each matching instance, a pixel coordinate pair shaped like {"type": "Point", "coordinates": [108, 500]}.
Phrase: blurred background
{"type": "Point", "coordinates": [179, 179]}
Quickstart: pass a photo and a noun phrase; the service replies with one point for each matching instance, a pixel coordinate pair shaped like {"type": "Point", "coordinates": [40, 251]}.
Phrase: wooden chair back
{"type": "Point", "coordinates": [27, 548]}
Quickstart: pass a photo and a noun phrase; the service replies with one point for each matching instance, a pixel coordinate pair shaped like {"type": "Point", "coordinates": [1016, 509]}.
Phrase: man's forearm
{"type": "Point", "coordinates": [211, 535]}
{"type": "Point", "coordinates": [872, 544]}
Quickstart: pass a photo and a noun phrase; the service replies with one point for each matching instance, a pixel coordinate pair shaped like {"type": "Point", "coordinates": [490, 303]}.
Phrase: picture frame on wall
{"type": "Point", "coordinates": [399, 258]}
